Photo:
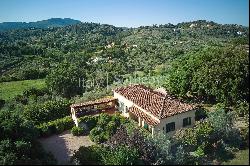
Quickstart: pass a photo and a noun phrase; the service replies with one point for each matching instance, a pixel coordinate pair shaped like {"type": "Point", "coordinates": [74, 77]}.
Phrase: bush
{"type": "Point", "coordinates": [200, 113]}
{"type": "Point", "coordinates": [102, 155]}
{"type": "Point", "coordinates": [2, 102]}
{"type": "Point", "coordinates": [87, 155]}
{"type": "Point", "coordinates": [36, 92]}
{"type": "Point", "coordinates": [103, 120]}
{"type": "Point", "coordinates": [97, 135]}
{"type": "Point", "coordinates": [76, 131]}
{"type": "Point", "coordinates": [56, 126]}
{"type": "Point", "coordinates": [244, 132]}
{"type": "Point", "coordinates": [48, 111]}
{"type": "Point", "coordinates": [242, 110]}
{"type": "Point", "coordinates": [121, 155]}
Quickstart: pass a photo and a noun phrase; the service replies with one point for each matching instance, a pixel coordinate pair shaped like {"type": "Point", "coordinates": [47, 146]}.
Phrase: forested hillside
{"type": "Point", "coordinates": [97, 49]}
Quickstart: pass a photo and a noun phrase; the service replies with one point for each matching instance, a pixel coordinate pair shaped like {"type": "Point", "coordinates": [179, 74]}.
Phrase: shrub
{"type": "Point", "coordinates": [121, 155]}
{"type": "Point", "coordinates": [48, 111]}
{"type": "Point", "coordinates": [44, 130]}
{"type": "Point", "coordinates": [2, 102]}
{"type": "Point", "coordinates": [97, 135]}
{"type": "Point", "coordinates": [36, 92]}
{"type": "Point", "coordinates": [200, 113]}
{"type": "Point", "coordinates": [76, 131]}
{"type": "Point", "coordinates": [87, 155]}
{"type": "Point", "coordinates": [103, 120]}
{"type": "Point", "coordinates": [111, 128]}
{"type": "Point", "coordinates": [244, 132]}
{"type": "Point", "coordinates": [56, 126]}
{"type": "Point", "coordinates": [242, 110]}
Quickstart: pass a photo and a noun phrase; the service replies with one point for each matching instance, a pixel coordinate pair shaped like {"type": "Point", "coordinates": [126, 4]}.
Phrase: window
{"type": "Point", "coordinates": [126, 109]}
{"type": "Point", "coordinates": [121, 106]}
{"type": "Point", "coordinates": [170, 127]}
{"type": "Point", "coordinates": [186, 121]}
{"type": "Point", "coordinates": [145, 125]}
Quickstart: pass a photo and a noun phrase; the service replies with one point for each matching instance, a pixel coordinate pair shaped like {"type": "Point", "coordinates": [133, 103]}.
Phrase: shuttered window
{"type": "Point", "coordinates": [170, 127]}
{"type": "Point", "coordinates": [186, 121]}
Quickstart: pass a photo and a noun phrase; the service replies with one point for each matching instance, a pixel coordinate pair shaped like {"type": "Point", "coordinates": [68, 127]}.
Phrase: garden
{"type": "Point", "coordinates": [213, 140]}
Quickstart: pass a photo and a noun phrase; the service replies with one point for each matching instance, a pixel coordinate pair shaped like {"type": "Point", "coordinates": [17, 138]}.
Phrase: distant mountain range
{"type": "Point", "coordinates": [53, 22]}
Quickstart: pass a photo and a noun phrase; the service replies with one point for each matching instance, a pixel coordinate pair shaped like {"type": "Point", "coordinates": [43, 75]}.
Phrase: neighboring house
{"type": "Point", "coordinates": [154, 110]}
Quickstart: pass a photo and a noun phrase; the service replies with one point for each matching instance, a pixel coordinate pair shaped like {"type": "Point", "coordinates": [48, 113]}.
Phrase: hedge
{"type": "Point", "coordinates": [47, 111]}
{"type": "Point", "coordinates": [56, 126]}
{"type": "Point", "coordinates": [76, 131]}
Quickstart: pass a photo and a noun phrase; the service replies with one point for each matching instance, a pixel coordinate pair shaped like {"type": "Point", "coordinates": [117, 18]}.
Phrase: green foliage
{"type": "Point", "coordinates": [121, 155]}
{"type": "Point", "coordinates": [242, 110]}
{"type": "Point", "coordinates": [2, 102]}
{"type": "Point", "coordinates": [17, 140]}
{"type": "Point", "coordinates": [198, 155]}
{"type": "Point", "coordinates": [181, 156]}
{"type": "Point", "coordinates": [64, 80]}
{"type": "Point", "coordinates": [48, 111]}
{"type": "Point", "coordinates": [101, 155]}
{"type": "Point", "coordinates": [106, 126]}
{"type": "Point", "coordinates": [97, 135]}
{"type": "Point", "coordinates": [14, 126]}
{"type": "Point", "coordinates": [220, 120]}
{"type": "Point", "coordinates": [76, 131]}
{"type": "Point", "coordinates": [200, 113]}
{"type": "Point", "coordinates": [6, 154]}
{"type": "Point", "coordinates": [216, 137]}
{"type": "Point", "coordinates": [213, 73]}
{"type": "Point", "coordinates": [245, 135]}
{"type": "Point", "coordinates": [90, 155]}
{"type": "Point", "coordinates": [223, 128]}
{"type": "Point", "coordinates": [162, 149]}
{"type": "Point", "coordinates": [55, 127]}
{"type": "Point", "coordinates": [241, 158]}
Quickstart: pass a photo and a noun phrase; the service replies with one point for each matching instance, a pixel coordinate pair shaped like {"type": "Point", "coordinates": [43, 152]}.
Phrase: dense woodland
{"type": "Point", "coordinates": [201, 62]}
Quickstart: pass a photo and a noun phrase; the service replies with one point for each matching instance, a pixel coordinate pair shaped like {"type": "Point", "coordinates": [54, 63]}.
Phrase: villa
{"type": "Point", "coordinates": [155, 110]}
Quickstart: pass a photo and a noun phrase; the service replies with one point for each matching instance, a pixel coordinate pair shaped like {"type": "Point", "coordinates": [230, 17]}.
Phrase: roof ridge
{"type": "Point", "coordinates": [161, 111]}
{"type": "Point", "coordinates": [150, 90]}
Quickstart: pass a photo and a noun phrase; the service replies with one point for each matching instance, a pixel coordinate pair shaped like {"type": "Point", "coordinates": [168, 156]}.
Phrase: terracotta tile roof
{"type": "Point", "coordinates": [149, 120]}
{"type": "Point", "coordinates": [159, 104]}
{"type": "Point", "coordinates": [89, 103]}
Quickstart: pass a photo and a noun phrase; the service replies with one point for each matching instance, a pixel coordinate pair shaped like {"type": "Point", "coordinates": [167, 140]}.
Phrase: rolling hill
{"type": "Point", "coordinates": [53, 22]}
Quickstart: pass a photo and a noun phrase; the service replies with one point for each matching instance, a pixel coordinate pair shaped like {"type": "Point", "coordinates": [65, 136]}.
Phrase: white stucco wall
{"type": "Point", "coordinates": [126, 102]}
{"type": "Point", "coordinates": [178, 119]}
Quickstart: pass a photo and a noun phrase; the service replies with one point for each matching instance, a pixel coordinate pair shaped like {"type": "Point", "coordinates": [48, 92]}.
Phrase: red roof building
{"type": "Point", "coordinates": [154, 110]}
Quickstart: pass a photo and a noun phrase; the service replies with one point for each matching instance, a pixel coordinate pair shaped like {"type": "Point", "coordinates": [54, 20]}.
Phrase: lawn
{"type": "Point", "coordinates": [10, 89]}
{"type": "Point", "coordinates": [241, 158]}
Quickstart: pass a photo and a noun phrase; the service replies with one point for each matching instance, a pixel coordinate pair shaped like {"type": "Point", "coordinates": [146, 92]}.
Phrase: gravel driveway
{"type": "Point", "coordinates": [62, 146]}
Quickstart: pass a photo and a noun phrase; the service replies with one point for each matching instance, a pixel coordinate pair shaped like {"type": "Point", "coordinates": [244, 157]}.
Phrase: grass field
{"type": "Point", "coordinates": [241, 158]}
{"type": "Point", "coordinates": [10, 89]}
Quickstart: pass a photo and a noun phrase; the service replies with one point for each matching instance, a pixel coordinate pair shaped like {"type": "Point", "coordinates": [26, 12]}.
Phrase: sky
{"type": "Point", "coordinates": [127, 13]}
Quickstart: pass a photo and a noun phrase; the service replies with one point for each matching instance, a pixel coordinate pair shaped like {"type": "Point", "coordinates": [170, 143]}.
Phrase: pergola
{"type": "Point", "coordinates": [107, 105]}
